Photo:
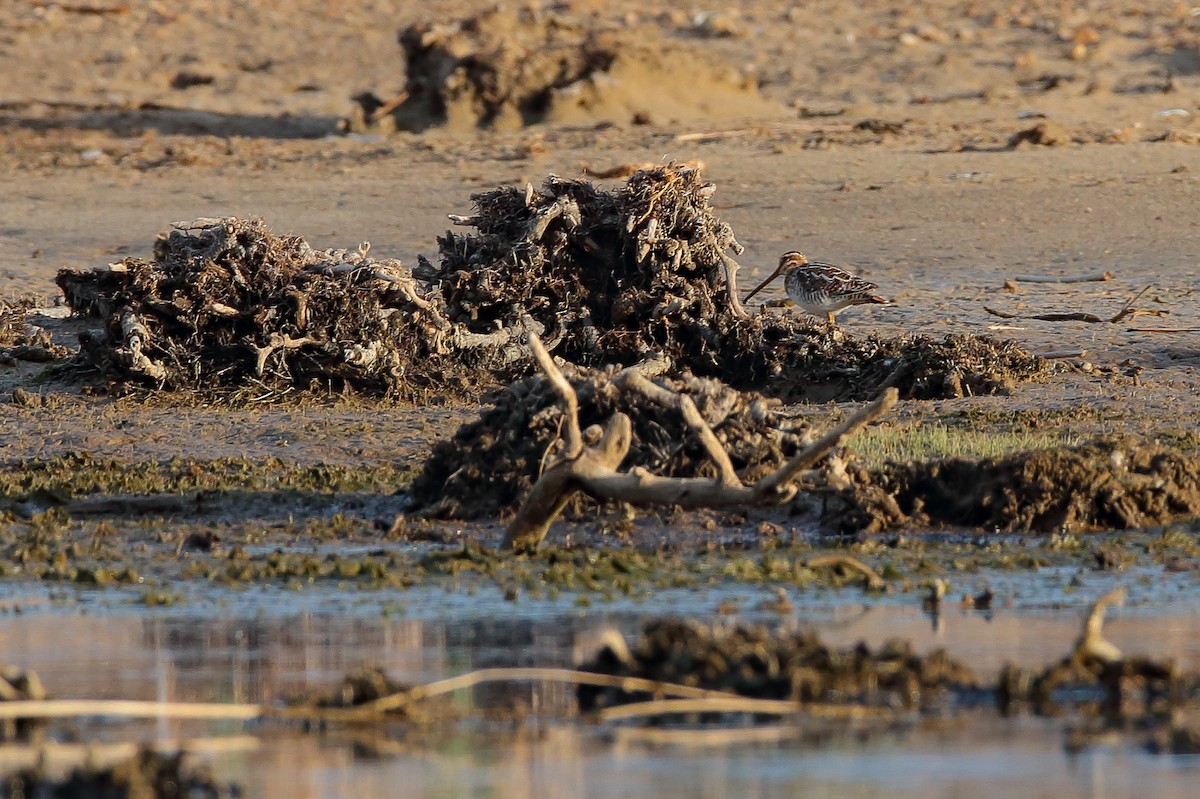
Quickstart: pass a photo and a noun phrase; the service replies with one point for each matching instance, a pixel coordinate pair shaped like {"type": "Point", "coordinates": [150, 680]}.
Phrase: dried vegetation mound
{"type": "Point", "coordinates": [617, 276]}
{"type": "Point", "coordinates": [749, 660]}
{"type": "Point", "coordinates": [22, 341]}
{"type": "Point", "coordinates": [227, 303]}
{"type": "Point", "coordinates": [490, 464]}
{"type": "Point", "coordinates": [513, 66]}
{"type": "Point", "coordinates": [146, 774]}
{"type": "Point", "coordinates": [1094, 487]}
{"type": "Point", "coordinates": [604, 277]}
{"type": "Point", "coordinates": [358, 687]}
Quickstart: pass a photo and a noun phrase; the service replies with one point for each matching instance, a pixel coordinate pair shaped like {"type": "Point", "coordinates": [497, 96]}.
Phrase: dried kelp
{"type": "Point", "coordinates": [146, 775]}
{"type": "Point", "coordinates": [227, 303]}
{"type": "Point", "coordinates": [646, 270]}
{"type": "Point", "coordinates": [1102, 486]}
{"type": "Point", "coordinates": [490, 464]}
{"type": "Point", "coordinates": [751, 661]}
{"type": "Point", "coordinates": [22, 341]}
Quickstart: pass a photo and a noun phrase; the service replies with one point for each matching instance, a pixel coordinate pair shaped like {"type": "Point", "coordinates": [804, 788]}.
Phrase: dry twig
{"type": "Point", "coordinates": [130, 709]}
{"type": "Point", "coordinates": [73, 708]}
{"type": "Point", "coordinates": [719, 737]}
{"type": "Point", "coordinates": [1127, 310]}
{"type": "Point", "coordinates": [771, 707]}
{"type": "Point", "coordinates": [873, 582]}
{"type": "Point", "coordinates": [396, 701]}
{"type": "Point", "coordinates": [1055, 354]}
{"type": "Point", "coordinates": [1163, 329]}
{"type": "Point", "coordinates": [1094, 277]}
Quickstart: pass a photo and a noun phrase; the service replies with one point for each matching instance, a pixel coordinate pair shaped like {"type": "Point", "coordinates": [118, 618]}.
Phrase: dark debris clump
{"type": "Point", "coordinates": [605, 277]}
{"type": "Point", "coordinates": [146, 775]}
{"type": "Point", "coordinates": [802, 361]}
{"type": "Point", "coordinates": [226, 303]}
{"type": "Point", "coordinates": [22, 341]}
{"type": "Point", "coordinates": [1106, 486]}
{"type": "Point", "coordinates": [358, 687]}
{"type": "Point", "coordinates": [619, 276]}
{"type": "Point", "coordinates": [751, 661]}
{"type": "Point", "coordinates": [490, 464]}
{"type": "Point", "coordinates": [612, 276]}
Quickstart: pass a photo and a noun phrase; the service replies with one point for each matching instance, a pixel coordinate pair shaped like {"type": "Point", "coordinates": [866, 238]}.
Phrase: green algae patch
{"type": "Point", "coordinates": [347, 554]}
{"type": "Point", "coordinates": [64, 477]}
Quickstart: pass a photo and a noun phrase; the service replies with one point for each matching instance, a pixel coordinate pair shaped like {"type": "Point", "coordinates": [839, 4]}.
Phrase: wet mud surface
{"type": "Point", "coordinates": [248, 546]}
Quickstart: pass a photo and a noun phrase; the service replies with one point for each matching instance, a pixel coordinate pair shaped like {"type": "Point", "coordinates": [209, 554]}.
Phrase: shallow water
{"type": "Point", "coordinates": [262, 643]}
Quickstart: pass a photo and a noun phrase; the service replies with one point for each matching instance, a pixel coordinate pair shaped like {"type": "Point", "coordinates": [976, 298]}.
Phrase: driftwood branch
{"type": "Point", "coordinates": [768, 707]}
{"type": "Point", "coordinates": [136, 336]}
{"type": "Point", "coordinates": [278, 342]}
{"type": "Point", "coordinates": [1092, 644]}
{"type": "Point", "coordinates": [1094, 277]}
{"type": "Point", "coordinates": [392, 702]}
{"type": "Point", "coordinates": [872, 580]}
{"type": "Point", "coordinates": [1127, 310]}
{"type": "Point", "coordinates": [1162, 329]}
{"type": "Point", "coordinates": [593, 469]}
{"type": "Point", "coordinates": [565, 393]}
{"type": "Point", "coordinates": [731, 268]}
{"type": "Point", "coordinates": [636, 381]}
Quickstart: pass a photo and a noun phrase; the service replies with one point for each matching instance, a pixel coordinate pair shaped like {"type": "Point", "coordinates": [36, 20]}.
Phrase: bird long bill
{"type": "Point", "coordinates": [763, 284]}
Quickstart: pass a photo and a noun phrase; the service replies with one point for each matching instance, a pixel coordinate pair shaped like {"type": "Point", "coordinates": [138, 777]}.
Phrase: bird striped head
{"type": "Point", "coordinates": [789, 260]}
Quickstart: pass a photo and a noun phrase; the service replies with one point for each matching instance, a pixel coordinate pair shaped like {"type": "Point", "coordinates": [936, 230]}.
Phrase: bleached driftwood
{"type": "Point", "coordinates": [1094, 277]}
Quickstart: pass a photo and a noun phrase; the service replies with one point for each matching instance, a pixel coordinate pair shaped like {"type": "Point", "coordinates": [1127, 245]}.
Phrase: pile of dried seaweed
{"type": "Point", "coordinates": [510, 66]}
{"type": "Point", "coordinates": [146, 775]}
{"type": "Point", "coordinates": [490, 464]}
{"type": "Point", "coordinates": [606, 277]}
{"type": "Point", "coordinates": [751, 661]}
{"type": "Point", "coordinates": [22, 341]}
{"type": "Point", "coordinates": [227, 303]}
{"type": "Point", "coordinates": [12, 320]}
{"type": "Point", "coordinates": [358, 687]}
{"type": "Point", "coordinates": [1107, 486]}
{"type": "Point", "coordinates": [616, 276]}
{"type": "Point", "coordinates": [1119, 685]}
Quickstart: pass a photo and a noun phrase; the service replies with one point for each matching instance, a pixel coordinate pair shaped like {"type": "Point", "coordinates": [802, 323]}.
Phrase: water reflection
{"type": "Point", "coordinates": [190, 657]}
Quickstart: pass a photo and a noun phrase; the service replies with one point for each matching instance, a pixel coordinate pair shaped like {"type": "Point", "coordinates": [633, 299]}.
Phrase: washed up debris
{"type": "Point", "coordinates": [648, 270]}
{"type": "Point", "coordinates": [491, 464]}
{"type": "Point", "coordinates": [605, 277]}
{"type": "Point", "coordinates": [1092, 487]}
{"type": "Point", "coordinates": [21, 340]}
{"type": "Point", "coordinates": [146, 774]}
{"type": "Point", "coordinates": [226, 303]}
{"type": "Point", "coordinates": [751, 661]}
